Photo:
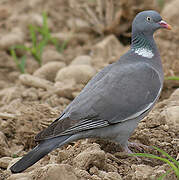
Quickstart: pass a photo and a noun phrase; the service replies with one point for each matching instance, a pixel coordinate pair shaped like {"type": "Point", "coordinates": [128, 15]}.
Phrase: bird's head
{"type": "Point", "coordinates": [148, 22]}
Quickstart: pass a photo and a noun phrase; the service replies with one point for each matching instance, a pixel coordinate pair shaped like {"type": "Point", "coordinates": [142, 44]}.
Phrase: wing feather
{"type": "Point", "coordinates": [117, 96]}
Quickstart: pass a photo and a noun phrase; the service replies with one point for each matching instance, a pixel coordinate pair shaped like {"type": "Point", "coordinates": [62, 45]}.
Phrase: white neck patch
{"type": "Point", "coordinates": [144, 52]}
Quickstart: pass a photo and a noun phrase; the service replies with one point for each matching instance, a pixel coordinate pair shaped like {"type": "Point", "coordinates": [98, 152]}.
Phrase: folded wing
{"type": "Point", "coordinates": [123, 93]}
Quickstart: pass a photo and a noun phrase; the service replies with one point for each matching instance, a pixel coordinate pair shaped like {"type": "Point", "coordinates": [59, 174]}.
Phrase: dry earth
{"type": "Point", "coordinates": [31, 101]}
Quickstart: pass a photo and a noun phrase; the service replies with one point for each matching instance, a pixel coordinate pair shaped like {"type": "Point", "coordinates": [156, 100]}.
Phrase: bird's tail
{"type": "Point", "coordinates": [37, 153]}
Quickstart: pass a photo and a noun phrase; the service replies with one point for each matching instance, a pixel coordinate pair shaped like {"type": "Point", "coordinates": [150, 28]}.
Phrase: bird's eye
{"type": "Point", "coordinates": [148, 18]}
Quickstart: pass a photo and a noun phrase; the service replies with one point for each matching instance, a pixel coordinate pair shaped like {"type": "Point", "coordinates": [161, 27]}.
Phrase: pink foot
{"type": "Point", "coordinates": [138, 146]}
{"type": "Point", "coordinates": [128, 151]}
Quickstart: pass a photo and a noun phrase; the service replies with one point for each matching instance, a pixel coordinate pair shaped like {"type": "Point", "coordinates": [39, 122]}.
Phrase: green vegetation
{"type": "Point", "coordinates": [172, 78]}
{"type": "Point", "coordinates": [15, 156]}
{"type": "Point", "coordinates": [174, 164]}
{"type": "Point", "coordinates": [40, 37]}
{"type": "Point", "coordinates": [20, 62]}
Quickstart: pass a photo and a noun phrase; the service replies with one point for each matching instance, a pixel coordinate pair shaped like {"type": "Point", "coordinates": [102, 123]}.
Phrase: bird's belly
{"type": "Point", "coordinates": [119, 132]}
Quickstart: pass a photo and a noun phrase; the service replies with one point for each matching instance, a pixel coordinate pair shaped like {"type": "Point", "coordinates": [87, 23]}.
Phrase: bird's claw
{"type": "Point", "coordinates": [128, 151]}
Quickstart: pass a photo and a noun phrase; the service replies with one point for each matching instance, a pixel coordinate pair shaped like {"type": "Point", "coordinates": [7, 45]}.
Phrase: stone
{"type": "Point", "coordinates": [9, 94]}
{"type": "Point", "coordinates": [84, 59]}
{"type": "Point", "coordinates": [25, 19]}
{"type": "Point", "coordinates": [66, 173]}
{"type": "Point", "coordinates": [102, 174]}
{"type": "Point", "coordinates": [55, 172]}
{"type": "Point", "coordinates": [82, 174]}
{"type": "Point", "coordinates": [107, 51]}
{"type": "Point", "coordinates": [7, 116]}
{"type": "Point", "coordinates": [31, 65]}
{"type": "Point", "coordinates": [172, 115]}
{"type": "Point", "coordinates": [62, 155]}
{"type": "Point", "coordinates": [4, 149]}
{"type": "Point", "coordinates": [4, 162]}
{"type": "Point", "coordinates": [32, 81]}
{"type": "Point", "coordinates": [175, 96]}
{"type": "Point", "coordinates": [49, 70]}
{"type": "Point", "coordinates": [112, 176]}
{"type": "Point", "coordinates": [50, 55]}
{"type": "Point", "coordinates": [32, 18]}
{"type": "Point", "coordinates": [30, 94]}
{"type": "Point", "coordinates": [20, 176]}
{"type": "Point", "coordinates": [90, 157]}
{"type": "Point", "coordinates": [6, 61]}
{"type": "Point", "coordinates": [71, 37]}
{"type": "Point", "coordinates": [5, 11]}
{"type": "Point", "coordinates": [75, 94]}
{"type": "Point", "coordinates": [171, 110]}
{"type": "Point", "coordinates": [95, 177]}
{"type": "Point", "coordinates": [65, 89]}
{"type": "Point", "coordinates": [80, 73]}
{"type": "Point", "coordinates": [16, 36]}
{"type": "Point", "coordinates": [78, 24]}
{"type": "Point", "coordinates": [141, 172]}
{"type": "Point", "coordinates": [145, 172]}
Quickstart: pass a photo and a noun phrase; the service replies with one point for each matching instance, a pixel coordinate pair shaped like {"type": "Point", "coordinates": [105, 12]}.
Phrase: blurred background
{"type": "Point", "coordinates": [49, 50]}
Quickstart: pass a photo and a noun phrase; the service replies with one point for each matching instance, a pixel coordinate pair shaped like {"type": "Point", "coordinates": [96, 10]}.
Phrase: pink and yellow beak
{"type": "Point", "coordinates": [163, 24]}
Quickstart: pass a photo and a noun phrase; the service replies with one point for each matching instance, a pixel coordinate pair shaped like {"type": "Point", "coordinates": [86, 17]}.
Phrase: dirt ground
{"type": "Point", "coordinates": [97, 33]}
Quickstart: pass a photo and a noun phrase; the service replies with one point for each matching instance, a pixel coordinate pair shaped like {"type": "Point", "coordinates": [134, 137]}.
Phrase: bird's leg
{"type": "Point", "coordinates": [138, 146]}
{"type": "Point", "coordinates": [128, 151]}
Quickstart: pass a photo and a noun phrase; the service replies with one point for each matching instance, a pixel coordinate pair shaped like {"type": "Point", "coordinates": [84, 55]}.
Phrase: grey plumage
{"type": "Point", "coordinates": [114, 101]}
